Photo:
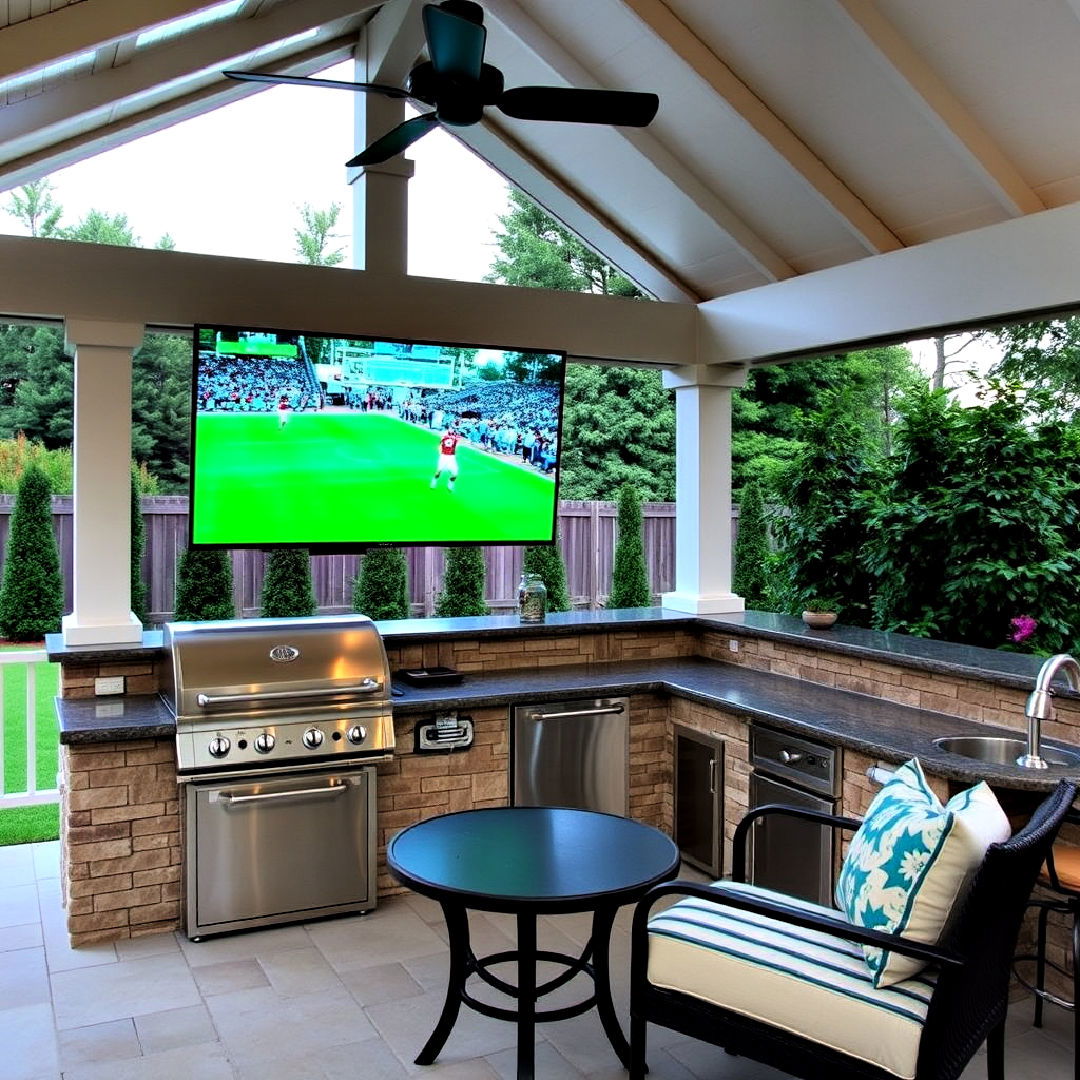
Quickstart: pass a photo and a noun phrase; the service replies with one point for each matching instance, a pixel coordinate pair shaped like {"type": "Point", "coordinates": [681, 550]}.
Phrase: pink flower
{"type": "Point", "coordinates": [1023, 626]}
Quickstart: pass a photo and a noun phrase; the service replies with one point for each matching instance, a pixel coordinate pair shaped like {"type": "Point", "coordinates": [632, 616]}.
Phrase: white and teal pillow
{"type": "Point", "coordinates": [911, 861]}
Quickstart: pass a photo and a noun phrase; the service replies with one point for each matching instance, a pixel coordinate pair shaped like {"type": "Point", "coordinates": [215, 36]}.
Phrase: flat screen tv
{"type": "Point", "coordinates": [335, 442]}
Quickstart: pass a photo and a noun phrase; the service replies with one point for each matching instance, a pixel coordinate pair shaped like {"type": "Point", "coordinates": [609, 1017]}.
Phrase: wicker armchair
{"type": "Point", "coordinates": [956, 1005]}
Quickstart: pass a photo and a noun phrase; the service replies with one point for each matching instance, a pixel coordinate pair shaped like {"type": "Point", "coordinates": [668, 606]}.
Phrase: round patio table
{"type": "Point", "coordinates": [530, 861]}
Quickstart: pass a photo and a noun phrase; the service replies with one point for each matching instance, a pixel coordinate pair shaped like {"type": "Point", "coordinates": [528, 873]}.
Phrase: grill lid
{"type": "Point", "coordinates": [250, 668]}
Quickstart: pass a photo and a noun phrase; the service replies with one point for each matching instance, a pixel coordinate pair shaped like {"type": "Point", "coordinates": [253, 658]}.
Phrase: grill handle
{"type": "Point", "coordinates": [365, 686]}
{"type": "Point", "coordinates": [326, 792]}
{"type": "Point", "coordinates": [575, 712]}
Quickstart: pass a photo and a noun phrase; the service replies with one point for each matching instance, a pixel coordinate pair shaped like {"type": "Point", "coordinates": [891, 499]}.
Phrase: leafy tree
{"type": "Point", "coordinates": [287, 590]}
{"type": "Point", "coordinates": [630, 576]}
{"type": "Point", "coordinates": [138, 546]}
{"type": "Point", "coordinates": [101, 227]}
{"type": "Point", "coordinates": [317, 233]}
{"type": "Point", "coordinates": [464, 584]}
{"type": "Point", "coordinates": [829, 493]}
{"type": "Point", "coordinates": [204, 586]}
{"type": "Point", "coordinates": [35, 208]}
{"type": "Point", "coordinates": [980, 522]}
{"type": "Point", "coordinates": [161, 407]}
{"type": "Point", "coordinates": [32, 594]}
{"type": "Point", "coordinates": [546, 560]}
{"type": "Point", "coordinates": [1045, 355]}
{"type": "Point", "coordinates": [166, 243]}
{"type": "Point", "coordinates": [381, 589]}
{"type": "Point", "coordinates": [752, 560]}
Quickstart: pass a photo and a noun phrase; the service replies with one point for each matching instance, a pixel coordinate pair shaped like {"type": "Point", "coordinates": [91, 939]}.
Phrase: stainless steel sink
{"type": "Point", "coordinates": [1001, 751]}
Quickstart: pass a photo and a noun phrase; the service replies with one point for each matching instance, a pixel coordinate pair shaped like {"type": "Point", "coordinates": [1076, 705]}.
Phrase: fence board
{"type": "Point", "coordinates": [587, 540]}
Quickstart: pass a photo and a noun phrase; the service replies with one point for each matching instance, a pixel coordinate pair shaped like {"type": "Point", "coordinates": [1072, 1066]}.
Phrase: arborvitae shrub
{"type": "Point", "coordinates": [751, 578]}
{"type": "Point", "coordinates": [204, 586]}
{"type": "Point", "coordinates": [630, 576]}
{"type": "Point", "coordinates": [32, 595]}
{"type": "Point", "coordinates": [463, 584]}
{"type": "Point", "coordinates": [547, 562]}
{"type": "Point", "coordinates": [381, 589]}
{"type": "Point", "coordinates": [138, 545]}
{"type": "Point", "coordinates": [287, 591]}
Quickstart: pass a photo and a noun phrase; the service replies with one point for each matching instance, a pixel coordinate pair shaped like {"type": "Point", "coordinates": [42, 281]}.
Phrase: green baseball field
{"type": "Point", "coordinates": [354, 478]}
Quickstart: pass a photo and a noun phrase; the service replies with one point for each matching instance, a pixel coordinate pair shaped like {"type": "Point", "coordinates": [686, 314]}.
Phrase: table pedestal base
{"type": "Point", "coordinates": [593, 962]}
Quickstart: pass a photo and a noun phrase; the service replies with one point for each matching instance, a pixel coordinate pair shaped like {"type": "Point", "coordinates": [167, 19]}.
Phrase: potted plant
{"type": "Point", "coordinates": [820, 612]}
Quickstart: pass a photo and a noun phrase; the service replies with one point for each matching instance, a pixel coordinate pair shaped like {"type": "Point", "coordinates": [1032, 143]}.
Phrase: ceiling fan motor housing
{"type": "Point", "coordinates": [458, 101]}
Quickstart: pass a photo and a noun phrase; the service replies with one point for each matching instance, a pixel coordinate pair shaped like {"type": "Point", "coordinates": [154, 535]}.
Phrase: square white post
{"type": "Point", "coordinates": [101, 612]}
{"type": "Point", "coordinates": [703, 489]}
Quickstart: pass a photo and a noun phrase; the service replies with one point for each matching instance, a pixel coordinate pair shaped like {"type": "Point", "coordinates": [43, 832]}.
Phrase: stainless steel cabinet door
{"type": "Point", "coordinates": [572, 753]}
{"type": "Point", "coordinates": [266, 849]}
{"type": "Point", "coordinates": [791, 856]}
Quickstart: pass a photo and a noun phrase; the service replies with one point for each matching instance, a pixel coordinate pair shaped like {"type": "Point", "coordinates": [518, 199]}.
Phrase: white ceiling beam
{"type": "Point", "coordinates": [583, 217]}
{"type": "Point", "coordinates": [550, 52]}
{"type": "Point", "coordinates": [852, 212]}
{"type": "Point", "coordinates": [963, 132]}
{"type": "Point", "coordinates": [392, 41]}
{"type": "Point", "coordinates": [1025, 265]}
{"type": "Point", "coordinates": [80, 27]}
{"type": "Point", "coordinates": [33, 166]}
{"type": "Point", "coordinates": [214, 45]}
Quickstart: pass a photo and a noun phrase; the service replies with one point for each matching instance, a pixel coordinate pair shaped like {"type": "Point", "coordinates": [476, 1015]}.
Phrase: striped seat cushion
{"type": "Point", "coordinates": [804, 981]}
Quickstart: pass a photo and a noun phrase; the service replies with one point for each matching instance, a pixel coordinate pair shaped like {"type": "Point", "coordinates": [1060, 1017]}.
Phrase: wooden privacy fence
{"type": "Point", "coordinates": [587, 530]}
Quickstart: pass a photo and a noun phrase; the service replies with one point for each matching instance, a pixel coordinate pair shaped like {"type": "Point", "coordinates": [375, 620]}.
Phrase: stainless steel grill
{"type": "Point", "coordinates": [256, 694]}
{"type": "Point", "coordinates": [279, 726]}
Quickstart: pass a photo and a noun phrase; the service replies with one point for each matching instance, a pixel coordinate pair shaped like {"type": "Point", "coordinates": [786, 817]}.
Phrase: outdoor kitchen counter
{"type": "Point", "coordinates": [869, 725]}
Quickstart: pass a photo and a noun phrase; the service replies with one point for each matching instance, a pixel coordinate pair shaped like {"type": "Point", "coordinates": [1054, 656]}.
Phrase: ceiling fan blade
{"type": "Point", "coordinates": [623, 108]}
{"type": "Point", "coordinates": [302, 80]}
{"type": "Point", "coordinates": [394, 141]}
{"type": "Point", "coordinates": [455, 40]}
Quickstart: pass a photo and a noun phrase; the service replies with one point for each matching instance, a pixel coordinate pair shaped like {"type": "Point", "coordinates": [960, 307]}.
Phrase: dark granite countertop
{"type": "Point", "coordinates": [1015, 670]}
{"type": "Point", "coordinates": [877, 728]}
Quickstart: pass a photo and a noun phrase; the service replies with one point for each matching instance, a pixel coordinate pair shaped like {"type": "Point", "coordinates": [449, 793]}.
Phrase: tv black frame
{"type": "Point", "coordinates": [359, 547]}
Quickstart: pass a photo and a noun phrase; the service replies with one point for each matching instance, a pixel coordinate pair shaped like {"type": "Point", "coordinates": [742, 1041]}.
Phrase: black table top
{"type": "Point", "coordinates": [511, 858]}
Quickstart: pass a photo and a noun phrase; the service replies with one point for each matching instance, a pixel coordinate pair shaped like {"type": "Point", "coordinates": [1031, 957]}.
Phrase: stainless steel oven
{"type": "Point", "coordinates": [789, 855]}
{"type": "Point", "coordinates": [280, 724]}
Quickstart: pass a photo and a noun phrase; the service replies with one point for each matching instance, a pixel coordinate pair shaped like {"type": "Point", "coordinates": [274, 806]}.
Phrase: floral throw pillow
{"type": "Point", "coordinates": [909, 864]}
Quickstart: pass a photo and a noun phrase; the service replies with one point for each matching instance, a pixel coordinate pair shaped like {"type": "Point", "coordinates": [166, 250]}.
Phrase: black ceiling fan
{"type": "Point", "coordinates": [458, 85]}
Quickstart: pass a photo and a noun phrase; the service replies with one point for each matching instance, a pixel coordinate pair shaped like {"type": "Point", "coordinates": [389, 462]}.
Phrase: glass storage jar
{"type": "Point", "coordinates": [532, 598]}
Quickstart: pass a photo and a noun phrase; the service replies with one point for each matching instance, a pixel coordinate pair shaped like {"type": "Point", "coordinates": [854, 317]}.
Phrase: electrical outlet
{"type": "Point", "coordinates": [111, 685]}
{"type": "Point", "coordinates": [733, 645]}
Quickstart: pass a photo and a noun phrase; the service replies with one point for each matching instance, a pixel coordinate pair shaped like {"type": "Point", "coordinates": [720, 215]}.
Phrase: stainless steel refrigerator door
{"type": "Point", "coordinates": [791, 856]}
{"type": "Point", "coordinates": [280, 849]}
{"type": "Point", "coordinates": [572, 753]}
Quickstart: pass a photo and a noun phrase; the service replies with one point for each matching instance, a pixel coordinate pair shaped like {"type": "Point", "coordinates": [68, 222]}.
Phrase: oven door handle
{"type": "Point", "coordinates": [365, 686]}
{"type": "Point", "coordinates": [326, 792]}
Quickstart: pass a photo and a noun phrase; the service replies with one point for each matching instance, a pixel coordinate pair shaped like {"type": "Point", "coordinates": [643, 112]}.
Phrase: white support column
{"type": "Point", "coordinates": [380, 193]}
{"type": "Point", "coordinates": [703, 489]}
{"type": "Point", "coordinates": [101, 612]}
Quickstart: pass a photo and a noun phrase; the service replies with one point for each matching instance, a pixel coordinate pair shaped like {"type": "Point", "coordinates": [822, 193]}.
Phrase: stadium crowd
{"type": "Point", "coordinates": [228, 385]}
{"type": "Point", "coordinates": [516, 419]}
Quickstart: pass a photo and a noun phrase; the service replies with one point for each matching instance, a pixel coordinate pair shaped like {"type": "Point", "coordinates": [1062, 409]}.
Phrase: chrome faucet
{"type": "Point", "coordinates": [1040, 704]}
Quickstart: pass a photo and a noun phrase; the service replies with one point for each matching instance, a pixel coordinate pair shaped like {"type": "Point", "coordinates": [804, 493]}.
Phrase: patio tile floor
{"type": "Point", "coordinates": [344, 999]}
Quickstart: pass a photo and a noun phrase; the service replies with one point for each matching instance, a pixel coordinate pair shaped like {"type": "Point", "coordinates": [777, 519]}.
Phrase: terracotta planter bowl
{"type": "Point", "coordinates": [819, 620]}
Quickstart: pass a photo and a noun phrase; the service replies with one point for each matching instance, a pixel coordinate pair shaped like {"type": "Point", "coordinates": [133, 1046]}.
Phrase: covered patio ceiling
{"type": "Point", "coordinates": [793, 135]}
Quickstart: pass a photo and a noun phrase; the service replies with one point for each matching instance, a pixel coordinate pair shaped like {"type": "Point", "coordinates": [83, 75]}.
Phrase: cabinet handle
{"type": "Point", "coordinates": [712, 775]}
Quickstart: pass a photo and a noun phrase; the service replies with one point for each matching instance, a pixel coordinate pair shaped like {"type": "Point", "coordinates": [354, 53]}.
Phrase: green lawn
{"type": "Point", "coordinates": [340, 478]}
{"type": "Point", "coordinates": [27, 824]}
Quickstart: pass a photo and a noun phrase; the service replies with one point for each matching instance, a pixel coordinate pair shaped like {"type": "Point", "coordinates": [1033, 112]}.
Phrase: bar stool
{"type": "Point", "coordinates": [1061, 874]}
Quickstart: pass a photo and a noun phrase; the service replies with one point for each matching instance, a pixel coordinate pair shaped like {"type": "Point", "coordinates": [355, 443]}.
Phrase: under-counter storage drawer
{"type": "Point", "coordinates": [699, 799]}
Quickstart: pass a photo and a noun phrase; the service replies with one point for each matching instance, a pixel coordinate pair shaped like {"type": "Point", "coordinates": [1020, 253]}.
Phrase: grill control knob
{"type": "Point", "coordinates": [313, 738]}
{"type": "Point", "coordinates": [219, 746]}
{"type": "Point", "coordinates": [356, 734]}
{"type": "Point", "coordinates": [264, 742]}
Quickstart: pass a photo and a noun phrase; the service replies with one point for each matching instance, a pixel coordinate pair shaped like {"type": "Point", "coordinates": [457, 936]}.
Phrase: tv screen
{"type": "Point", "coordinates": [336, 442]}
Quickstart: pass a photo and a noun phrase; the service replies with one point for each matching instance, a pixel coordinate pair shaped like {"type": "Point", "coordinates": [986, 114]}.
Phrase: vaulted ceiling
{"type": "Point", "coordinates": [793, 135]}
